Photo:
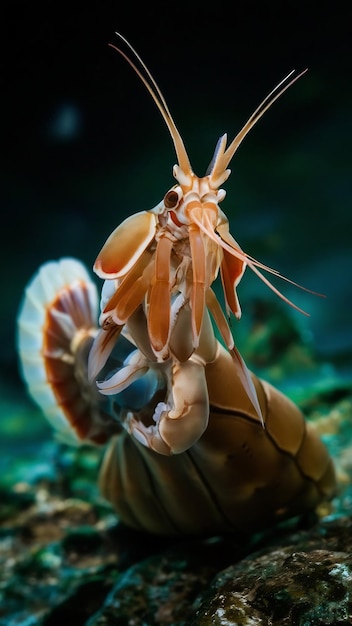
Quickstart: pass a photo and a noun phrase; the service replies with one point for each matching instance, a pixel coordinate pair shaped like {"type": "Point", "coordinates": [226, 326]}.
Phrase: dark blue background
{"type": "Point", "coordinates": [84, 146]}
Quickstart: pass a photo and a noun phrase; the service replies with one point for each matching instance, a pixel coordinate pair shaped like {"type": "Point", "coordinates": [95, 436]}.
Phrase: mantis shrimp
{"type": "Point", "coordinates": [194, 442]}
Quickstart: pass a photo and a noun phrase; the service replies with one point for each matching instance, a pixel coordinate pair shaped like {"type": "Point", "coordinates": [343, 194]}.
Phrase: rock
{"type": "Point", "coordinates": [303, 578]}
{"type": "Point", "coordinates": [165, 588]}
{"type": "Point", "coordinates": [307, 582]}
{"type": "Point", "coordinates": [65, 559]}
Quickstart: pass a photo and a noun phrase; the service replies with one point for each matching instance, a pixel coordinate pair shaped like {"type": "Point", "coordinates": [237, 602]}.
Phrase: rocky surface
{"type": "Point", "coordinates": [64, 558]}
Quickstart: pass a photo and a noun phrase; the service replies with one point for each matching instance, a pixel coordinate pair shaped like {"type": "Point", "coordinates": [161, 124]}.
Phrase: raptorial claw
{"type": "Point", "coordinates": [180, 421]}
{"type": "Point", "coordinates": [125, 245]}
{"type": "Point", "coordinates": [148, 436]}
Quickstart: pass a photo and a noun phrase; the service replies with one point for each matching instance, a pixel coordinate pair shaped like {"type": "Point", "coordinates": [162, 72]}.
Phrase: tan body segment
{"type": "Point", "coordinates": [239, 476]}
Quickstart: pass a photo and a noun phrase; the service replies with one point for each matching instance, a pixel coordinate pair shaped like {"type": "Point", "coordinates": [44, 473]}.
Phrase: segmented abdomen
{"type": "Point", "coordinates": [238, 477]}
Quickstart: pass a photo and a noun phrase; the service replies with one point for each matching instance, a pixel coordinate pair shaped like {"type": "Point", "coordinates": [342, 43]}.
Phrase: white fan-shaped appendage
{"type": "Point", "coordinates": [56, 326]}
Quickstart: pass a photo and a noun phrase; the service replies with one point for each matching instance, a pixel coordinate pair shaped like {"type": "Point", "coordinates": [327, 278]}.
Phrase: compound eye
{"type": "Point", "coordinates": [171, 199]}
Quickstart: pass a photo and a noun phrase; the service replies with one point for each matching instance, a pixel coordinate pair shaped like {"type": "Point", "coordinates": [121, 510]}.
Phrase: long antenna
{"type": "Point", "coordinates": [152, 86]}
{"type": "Point", "coordinates": [223, 158]}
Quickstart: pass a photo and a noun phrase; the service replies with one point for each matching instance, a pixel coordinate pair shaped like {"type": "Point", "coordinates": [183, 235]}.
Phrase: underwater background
{"type": "Point", "coordinates": [84, 147]}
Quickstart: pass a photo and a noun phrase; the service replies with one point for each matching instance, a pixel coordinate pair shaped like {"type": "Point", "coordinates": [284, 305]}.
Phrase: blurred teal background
{"type": "Point", "coordinates": [84, 146]}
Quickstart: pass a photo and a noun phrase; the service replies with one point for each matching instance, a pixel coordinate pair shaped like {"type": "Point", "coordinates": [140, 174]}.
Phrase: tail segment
{"type": "Point", "coordinates": [56, 327]}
